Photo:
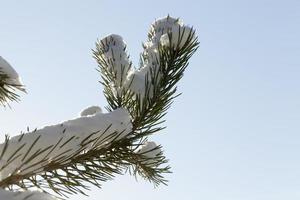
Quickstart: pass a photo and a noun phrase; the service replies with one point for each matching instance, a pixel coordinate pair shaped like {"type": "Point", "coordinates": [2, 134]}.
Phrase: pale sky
{"type": "Point", "coordinates": [234, 134]}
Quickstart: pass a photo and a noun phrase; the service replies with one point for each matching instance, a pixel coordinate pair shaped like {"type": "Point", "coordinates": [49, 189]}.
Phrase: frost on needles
{"type": "Point", "coordinates": [62, 159]}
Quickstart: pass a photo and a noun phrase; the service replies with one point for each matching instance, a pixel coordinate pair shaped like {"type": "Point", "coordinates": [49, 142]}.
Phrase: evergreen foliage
{"type": "Point", "coordinates": [105, 153]}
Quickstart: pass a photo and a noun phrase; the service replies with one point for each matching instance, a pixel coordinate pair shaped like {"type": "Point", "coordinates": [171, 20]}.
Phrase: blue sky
{"type": "Point", "coordinates": [234, 134]}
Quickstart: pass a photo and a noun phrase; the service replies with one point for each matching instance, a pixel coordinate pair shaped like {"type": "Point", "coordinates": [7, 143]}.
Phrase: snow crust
{"type": "Point", "coordinates": [6, 68]}
{"type": "Point", "coordinates": [68, 138]}
{"type": "Point", "coordinates": [24, 195]}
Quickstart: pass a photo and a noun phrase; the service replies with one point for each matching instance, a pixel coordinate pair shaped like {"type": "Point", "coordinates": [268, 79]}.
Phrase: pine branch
{"type": "Point", "coordinates": [64, 155]}
{"type": "Point", "coordinates": [96, 147]}
{"type": "Point", "coordinates": [167, 60]}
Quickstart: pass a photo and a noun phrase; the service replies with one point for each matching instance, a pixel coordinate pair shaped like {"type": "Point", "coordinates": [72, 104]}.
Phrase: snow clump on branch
{"type": "Point", "coordinates": [161, 33]}
{"type": "Point", "coordinates": [170, 29]}
{"type": "Point", "coordinates": [12, 76]}
{"type": "Point", "coordinates": [151, 153]}
{"type": "Point", "coordinates": [92, 110]}
{"type": "Point", "coordinates": [114, 56]}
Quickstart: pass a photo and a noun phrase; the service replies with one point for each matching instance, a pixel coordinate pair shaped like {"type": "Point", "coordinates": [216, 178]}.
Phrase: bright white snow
{"type": "Point", "coordinates": [137, 79]}
{"type": "Point", "coordinates": [175, 27]}
{"type": "Point", "coordinates": [179, 32]}
{"type": "Point", "coordinates": [179, 36]}
{"type": "Point", "coordinates": [6, 68]}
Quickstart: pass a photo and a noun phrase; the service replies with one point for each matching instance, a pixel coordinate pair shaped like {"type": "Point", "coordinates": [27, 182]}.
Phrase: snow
{"type": "Point", "coordinates": [69, 136]}
{"type": "Point", "coordinates": [137, 79]}
{"type": "Point", "coordinates": [114, 53]}
{"type": "Point", "coordinates": [151, 53]}
{"type": "Point", "coordinates": [6, 68]}
{"type": "Point", "coordinates": [179, 32]}
{"type": "Point", "coordinates": [151, 153]}
{"type": "Point", "coordinates": [24, 195]}
{"type": "Point", "coordinates": [163, 26]}
{"type": "Point", "coordinates": [179, 36]}
{"type": "Point", "coordinates": [149, 149]}
{"type": "Point", "coordinates": [164, 40]}
{"type": "Point", "coordinates": [91, 111]}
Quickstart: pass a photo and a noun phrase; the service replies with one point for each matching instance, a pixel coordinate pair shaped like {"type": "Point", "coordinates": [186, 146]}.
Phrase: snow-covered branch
{"type": "Point", "coordinates": [95, 146]}
{"type": "Point", "coordinates": [163, 32]}
{"type": "Point", "coordinates": [33, 151]}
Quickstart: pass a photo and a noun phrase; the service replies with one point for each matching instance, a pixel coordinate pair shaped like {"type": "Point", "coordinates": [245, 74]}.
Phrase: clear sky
{"type": "Point", "coordinates": [234, 134]}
